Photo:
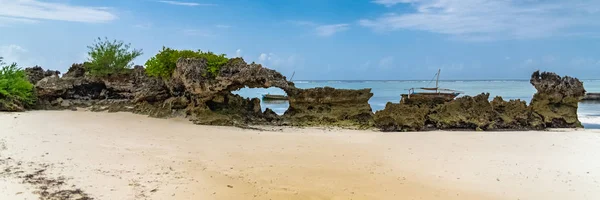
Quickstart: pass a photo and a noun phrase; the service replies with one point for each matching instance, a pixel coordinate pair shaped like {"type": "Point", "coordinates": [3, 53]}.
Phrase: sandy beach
{"type": "Point", "coordinates": [46, 154]}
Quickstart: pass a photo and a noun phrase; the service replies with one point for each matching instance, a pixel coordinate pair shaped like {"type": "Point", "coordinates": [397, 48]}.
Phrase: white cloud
{"type": "Point", "coordinates": [329, 30]}
{"type": "Point", "coordinates": [14, 53]}
{"type": "Point", "coordinates": [264, 57]}
{"type": "Point", "coordinates": [302, 23]}
{"type": "Point", "coordinates": [389, 3]}
{"type": "Point", "coordinates": [183, 3]}
{"type": "Point", "coordinates": [31, 10]}
{"type": "Point", "coordinates": [197, 32]}
{"type": "Point", "coordinates": [10, 20]}
{"type": "Point", "coordinates": [223, 26]}
{"type": "Point", "coordinates": [489, 19]}
{"type": "Point", "coordinates": [274, 61]}
{"type": "Point", "coordinates": [143, 26]}
{"type": "Point", "coordinates": [238, 53]}
{"type": "Point", "coordinates": [322, 30]}
{"type": "Point", "coordinates": [529, 62]}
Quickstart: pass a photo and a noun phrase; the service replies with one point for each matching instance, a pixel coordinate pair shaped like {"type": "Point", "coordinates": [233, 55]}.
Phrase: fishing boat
{"type": "Point", "coordinates": [277, 97]}
{"type": "Point", "coordinates": [270, 97]}
{"type": "Point", "coordinates": [432, 93]}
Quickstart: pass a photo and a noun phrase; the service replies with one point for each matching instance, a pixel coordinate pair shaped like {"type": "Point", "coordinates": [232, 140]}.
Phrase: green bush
{"type": "Point", "coordinates": [110, 57]}
{"type": "Point", "coordinates": [165, 62]}
{"type": "Point", "coordinates": [16, 92]}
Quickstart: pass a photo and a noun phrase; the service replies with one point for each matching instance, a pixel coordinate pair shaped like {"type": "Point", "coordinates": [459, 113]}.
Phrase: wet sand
{"type": "Point", "coordinates": [126, 156]}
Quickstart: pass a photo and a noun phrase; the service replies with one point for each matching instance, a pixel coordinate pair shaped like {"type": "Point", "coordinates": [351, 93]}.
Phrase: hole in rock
{"type": "Point", "coordinates": [269, 98]}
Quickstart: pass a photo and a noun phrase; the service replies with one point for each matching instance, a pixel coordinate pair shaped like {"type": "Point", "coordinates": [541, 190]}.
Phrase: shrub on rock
{"type": "Point", "coordinates": [110, 57]}
{"type": "Point", "coordinates": [164, 63]}
{"type": "Point", "coordinates": [16, 92]}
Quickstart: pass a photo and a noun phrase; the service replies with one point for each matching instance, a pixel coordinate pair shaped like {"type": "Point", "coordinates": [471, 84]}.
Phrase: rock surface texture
{"type": "Point", "coordinates": [37, 73]}
{"type": "Point", "coordinates": [554, 105]}
{"type": "Point", "coordinates": [204, 98]}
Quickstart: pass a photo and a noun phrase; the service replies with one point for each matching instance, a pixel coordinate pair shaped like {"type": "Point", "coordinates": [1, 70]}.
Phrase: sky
{"type": "Point", "coordinates": [322, 39]}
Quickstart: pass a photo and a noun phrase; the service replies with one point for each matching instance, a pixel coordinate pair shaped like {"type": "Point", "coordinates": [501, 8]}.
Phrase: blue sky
{"type": "Point", "coordinates": [322, 39]}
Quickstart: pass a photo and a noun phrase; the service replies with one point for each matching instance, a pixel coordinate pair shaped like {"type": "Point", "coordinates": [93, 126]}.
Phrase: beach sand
{"type": "Point", "coordinates": [126, 156]}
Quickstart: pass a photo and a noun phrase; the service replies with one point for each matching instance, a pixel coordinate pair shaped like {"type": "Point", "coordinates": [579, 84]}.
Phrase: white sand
{"type": "Point", "coordinates": [125, 156]}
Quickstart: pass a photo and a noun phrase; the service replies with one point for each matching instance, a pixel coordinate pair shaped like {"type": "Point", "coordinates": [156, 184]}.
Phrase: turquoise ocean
{"type": "Point", "coordinates": [389, 91]}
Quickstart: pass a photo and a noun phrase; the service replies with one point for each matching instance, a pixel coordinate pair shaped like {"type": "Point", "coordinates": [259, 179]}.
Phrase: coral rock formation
{"type": "Point", "coordinates": [555, 103]}
{"type": "Point", "coordinates": [553, 106]}
{"type": "Point", "coordinates": [325, 106]}
{"type": "Point", "coordinates": [207, 98]}
{"type": "Point", "coordinates": [202, 97]}
{"type": "Point", "coordinates": [37, 73]}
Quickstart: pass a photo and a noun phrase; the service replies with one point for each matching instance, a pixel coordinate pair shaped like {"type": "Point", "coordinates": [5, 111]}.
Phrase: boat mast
{"type": "Point", "coordinates": [437, 80]}
{"type": "Point", "coordinates": [292, 76]}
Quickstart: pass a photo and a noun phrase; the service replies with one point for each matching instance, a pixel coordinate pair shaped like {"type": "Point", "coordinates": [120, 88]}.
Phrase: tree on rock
{"type": "Point", "coordinates": [110, 57]}
{"type": "Point", "coordinates": [16, 92]}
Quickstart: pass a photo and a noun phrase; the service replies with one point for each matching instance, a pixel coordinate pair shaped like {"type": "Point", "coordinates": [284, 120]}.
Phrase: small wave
{"type": "Point", "coordinates": [590, 119]}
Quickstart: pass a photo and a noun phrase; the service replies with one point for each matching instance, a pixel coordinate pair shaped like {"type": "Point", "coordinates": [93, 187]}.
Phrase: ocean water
{"type": "Point", "coordinates": [389, 91]}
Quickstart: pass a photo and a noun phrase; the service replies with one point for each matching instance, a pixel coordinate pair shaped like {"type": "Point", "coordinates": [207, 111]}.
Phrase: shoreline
{"type": "Point", "coordinates": [130, 156]}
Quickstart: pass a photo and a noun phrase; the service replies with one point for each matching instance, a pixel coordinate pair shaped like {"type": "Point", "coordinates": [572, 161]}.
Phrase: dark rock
{"type": "Point", "coordinates": [7, 105]}
{"type": "Point", "coordinates": [75, 71]}
{"type": "Point", "coordinates": [37, 73]}
{"type": "Point", "coordinates": [190, 76]}
{"type": "Point", "coordinates": [402, 117]}
{"type": "Point", "coordinates": [513, 114]}
{"type": "Point", "coordinates": [555, 103]}
{"type": "Point", "coordinates": [553, 106]}
{"type": "Point", "coordinates": [330, 106]}
{"type": "Point", "coordinates": [149, 89]}
{"type": "Point", "coordinates": [466, 112]}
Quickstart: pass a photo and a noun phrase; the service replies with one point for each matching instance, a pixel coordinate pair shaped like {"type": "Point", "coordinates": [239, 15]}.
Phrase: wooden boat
{"type": "Point", "coordinates": [267, 97]}
{"type": "Point", "coordinates": [445, 94]}
{"type": "Point", "coordinates": [276, 97]}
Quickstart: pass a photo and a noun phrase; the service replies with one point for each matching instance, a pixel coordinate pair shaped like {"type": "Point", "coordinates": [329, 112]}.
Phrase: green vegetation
{"type": "Point", "coordinates": [110, 57]}
{"type": "Point", "coordinates": [165, 62]}
{"type": "Point", "coordinates": [16, 92]}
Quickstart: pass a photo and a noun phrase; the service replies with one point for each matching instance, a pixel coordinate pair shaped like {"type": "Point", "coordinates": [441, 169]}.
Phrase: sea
{"type": "Point", "coordinates": [390, 90]}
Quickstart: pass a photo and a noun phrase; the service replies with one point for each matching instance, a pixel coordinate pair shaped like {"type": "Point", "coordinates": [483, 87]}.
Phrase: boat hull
{"type": "Point", "coordinates": [430, 96]}
{"type": "Point", "coordinates": [271, 97]}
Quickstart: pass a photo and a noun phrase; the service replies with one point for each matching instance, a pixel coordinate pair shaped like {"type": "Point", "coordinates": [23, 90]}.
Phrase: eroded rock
{"type": "Point", "coordinates": [402, 117]}
{"type": "Point", "coordinates": [553, 106]}
{"type": "Point", "coordinates": [37, 73]}
{"type": "Point", "coordinates": [327, 106]}
{"type": "Point", "coordinates": [555, 103]}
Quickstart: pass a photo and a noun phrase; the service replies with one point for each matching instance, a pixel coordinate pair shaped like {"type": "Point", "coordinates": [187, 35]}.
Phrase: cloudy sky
{"type": "Point", "coordinates": [322, 39]}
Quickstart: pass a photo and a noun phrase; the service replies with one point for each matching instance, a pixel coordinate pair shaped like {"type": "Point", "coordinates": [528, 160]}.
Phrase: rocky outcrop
{"type": "Point", "coordinates": [81, 90]}
{"type": "Point", "coordinates": [553, 106]}
{"type": "Point", "coordinates": [37, 73]}
{"type": "Point", "coordinates": [203, 97]}
{"type": "Point", "coordinates": [192, 77]}
{"type": "Point", "coordinates": [402, 117]}
{"type": "Point", "coordinates": [326, 106]}
{"type": "Point", "coordinates": [206, 98]}
{"type": "Point", "coordinates": [555, 103]}
{"type": "Point", "coordinates": [75, 71]}
{"type": "Point", "coordinates": [512, 115]}
{"type": "Point", "coordinates": [474, 113]}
